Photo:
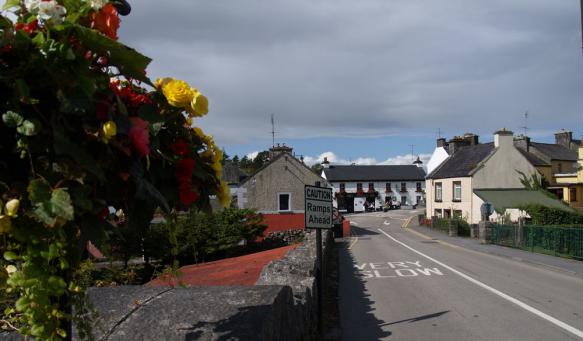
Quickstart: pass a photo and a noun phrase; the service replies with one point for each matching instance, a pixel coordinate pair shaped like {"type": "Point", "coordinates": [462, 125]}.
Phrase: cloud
{"type": "Point", "coordinates": [252, 155]}
{"type": "Point", "coordinates": [335, 159]}
{"type": "Point", "coordinates": [369, 68]}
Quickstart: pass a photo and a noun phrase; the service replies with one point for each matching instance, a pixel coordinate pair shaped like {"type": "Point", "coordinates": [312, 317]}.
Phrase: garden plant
{"type": "Point", "coordinates": [83, 132]}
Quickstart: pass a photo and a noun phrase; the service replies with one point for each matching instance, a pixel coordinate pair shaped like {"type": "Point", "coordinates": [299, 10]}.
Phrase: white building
{"type": "Point", "coordinates": [354, 185]}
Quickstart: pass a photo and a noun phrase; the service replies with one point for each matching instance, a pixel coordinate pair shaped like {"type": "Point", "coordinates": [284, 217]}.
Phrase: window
{"type": "Point", "coordinates": [418, 199]}
{"type": "Point", "coordinates": [388, 187]}
{"type": "Point", "coordinates": [573, 194]}
{"type": "Point", "coordinates": [438, 191]}
{"type": "Point", "coordinates": [418, 189]}
{"type": "Point", "coordinates": [359, 186]}
{"type": "Point", "coordinates": [371, 186]}
{"type": "Point", "coordinates": [457, 191]}
{"type": "Point", "coordinates": [457, 214]}
{"type": "Point", "coordinates": [403, 187]}
{"type": "Point", "coordinates": [560, 168]}
{"type": "Point", "coordinates": [284, 201]}
{"type": "Point", "coordinates": [342, 187]}
{"type": "Point", "coordinates": [403, 200]}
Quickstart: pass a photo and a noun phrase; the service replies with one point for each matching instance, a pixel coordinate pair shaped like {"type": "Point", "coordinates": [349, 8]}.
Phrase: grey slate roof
{"type": "Point", "coordinates": [533, 159]}
{"type": "Point", "coordinates": [462, 162]}
{"type": "Point", "coordinates": [555, 151]}
{"type": "Point", "coordinates": [374, 173]}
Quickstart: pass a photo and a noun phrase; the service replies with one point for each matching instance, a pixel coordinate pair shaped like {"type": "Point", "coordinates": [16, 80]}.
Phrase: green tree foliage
{"type": "Point", "coordinates": [202, 237]}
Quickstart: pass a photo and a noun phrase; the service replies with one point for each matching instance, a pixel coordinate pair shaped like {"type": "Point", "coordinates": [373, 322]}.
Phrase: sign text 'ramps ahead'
{"type": "Point", "coordinates": [318, 207]}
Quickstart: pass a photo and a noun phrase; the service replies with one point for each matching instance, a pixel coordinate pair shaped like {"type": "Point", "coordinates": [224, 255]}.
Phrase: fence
{"type": "Point", "coordinates": [462, 227]}
{"type": "Point", "coordinates": [553, 240]}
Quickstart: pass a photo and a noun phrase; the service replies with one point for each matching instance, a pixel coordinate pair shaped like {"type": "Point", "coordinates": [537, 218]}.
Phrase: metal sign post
{"type": "Point", "coordinates": [318, 216]}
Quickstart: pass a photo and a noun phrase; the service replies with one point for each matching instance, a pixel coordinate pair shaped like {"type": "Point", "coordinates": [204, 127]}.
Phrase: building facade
{"type": "Point", "coordinates": [358, 186]}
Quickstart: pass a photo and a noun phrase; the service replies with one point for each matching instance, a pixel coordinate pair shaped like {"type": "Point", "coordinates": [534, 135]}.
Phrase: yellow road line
{"type": "Point", "coordinates": [355, 239]}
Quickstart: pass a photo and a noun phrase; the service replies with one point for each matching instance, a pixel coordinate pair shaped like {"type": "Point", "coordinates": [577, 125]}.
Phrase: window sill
{"type": "Point", "coordinates": [456, 200]}
{"type": "Point", "coordinates": [438, 200]}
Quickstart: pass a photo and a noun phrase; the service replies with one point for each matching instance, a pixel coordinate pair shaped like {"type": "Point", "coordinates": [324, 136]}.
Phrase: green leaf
{"type": "Point", "coordinates": [61, 204]}
{"type": "Point", "coordinates": [150, 114]}
{"type": "Point", "coordinates": [43, 213]}
{"type": "Point", "coordinates": [29, 128]}
{"type": "Point", "coordinates": [81, 198]}
{"type": "Point", "coordinates": [39, 191]}
{"type": "Point", "coordinates": [22, 90]}
{"type": "Point", "coordinates": [130, 63]}
{"type": "Point", "coordinates": [10, 4]}
{"type": "Point", "coordinates": [39, 40]}
{"type": "Point", "coordinates": [4, 22]}
{"type": "Point", "coordinates": [10, 256]}
{"type": "Point", "coordinates": [12, 119]}
{"type": "Point", "coordinates": [65, 147]}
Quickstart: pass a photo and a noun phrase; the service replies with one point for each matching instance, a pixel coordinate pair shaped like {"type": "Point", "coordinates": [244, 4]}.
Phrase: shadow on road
{"type": "Point", "coordinates": [419, 318]}
{"type": "Point", "coordinates": [361, 232]}
{"type": "Point", "coordinates": [357, 318]}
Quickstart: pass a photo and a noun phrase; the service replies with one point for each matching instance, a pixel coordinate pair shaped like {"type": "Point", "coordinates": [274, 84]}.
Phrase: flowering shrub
{"type": "Point", "coordinates": [83, 129]}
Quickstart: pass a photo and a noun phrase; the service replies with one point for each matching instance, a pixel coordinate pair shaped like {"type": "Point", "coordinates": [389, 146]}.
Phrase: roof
{"type": "Point", "coordinates": [555, 151]}
{"type": "Point", "coordinates": [277, 157]}
{"type": "Point", "coordinates": [374, 173]}
{"type": "Point", "coordinates": [533, 159]}
{"type": "Point", "coordinates": [462, 162]}
{"type": "Point", "coordinates": [514, 198]}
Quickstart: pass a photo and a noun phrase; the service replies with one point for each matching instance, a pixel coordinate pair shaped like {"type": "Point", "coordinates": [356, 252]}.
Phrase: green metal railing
{"type": "Point", "coordinates": [553, 240]}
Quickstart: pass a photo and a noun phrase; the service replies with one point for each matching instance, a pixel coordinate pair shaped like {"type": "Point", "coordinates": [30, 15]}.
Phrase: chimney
{"type": "Point", "coordinates": [503, 138]}
{"type": "Point", "coordinates": [325, 163]}
{"type": "Point", "coordinates": [278, 149]}
{"type": "Point", "coordinates": [471, 139]}
{"type": "Point", "coordinates": [522, 142]}
{"type": "Point", "coordinates": [441, 142]}
{"type": "Point", "coordinates": [564, 138]}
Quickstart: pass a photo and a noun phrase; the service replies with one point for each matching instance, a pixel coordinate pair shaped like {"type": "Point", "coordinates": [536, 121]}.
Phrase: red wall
{"type": "Point", "coordinates": [282, 222]}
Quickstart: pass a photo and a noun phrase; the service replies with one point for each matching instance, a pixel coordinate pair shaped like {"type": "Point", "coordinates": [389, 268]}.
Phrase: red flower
{"type": "Point", "coordinates": [184, 169]}
{"type": "Point", "coordinates": [139, 135]}
{"type": "Point", "coordinates": [27, 28]}
{"type": "Point", "coordinates": [187, 196]}
{"type": "Point", "coordinates": [180, 147]}
{"type": "Point", "coordinates": [106, 21]}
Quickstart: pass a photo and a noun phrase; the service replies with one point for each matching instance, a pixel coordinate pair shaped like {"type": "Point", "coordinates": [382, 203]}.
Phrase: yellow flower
{"type": "Point", "coordinates": [224, 195]}
{"type": "Point", "coordinates": [178, 93]}
{"type": "Point", "coordinates": [10, 269]}
{"type": "Point", "coordinates": [11, 208]}
{"type": "Point", "coordinates": [199, 106]}
{"type": "Point", "coordinates": [109, 129]}
{"type": "Point", "coordinates": [159, 83]}
{"type": "Point", "coordinates": [5, 224]}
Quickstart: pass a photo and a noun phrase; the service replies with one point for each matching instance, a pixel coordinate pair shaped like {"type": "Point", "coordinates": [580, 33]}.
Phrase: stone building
{"type": "Point", "coordinates": [278, 187]}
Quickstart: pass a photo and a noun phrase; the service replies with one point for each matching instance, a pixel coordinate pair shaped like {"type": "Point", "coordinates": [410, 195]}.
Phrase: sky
{"type": "Point", "coordinates": [372, 81]}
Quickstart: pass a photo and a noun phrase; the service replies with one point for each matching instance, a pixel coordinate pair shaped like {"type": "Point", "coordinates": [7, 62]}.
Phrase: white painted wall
{"type": "Point", "coordinates": [439, 155]}
{"type": "Point", "coordinates": [411, 194]}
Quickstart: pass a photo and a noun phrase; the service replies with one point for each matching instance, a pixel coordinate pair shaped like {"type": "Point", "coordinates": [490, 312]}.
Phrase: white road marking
{"type": "Point", "coordinates": [509, 298]}
{"type": "Point", "coordinates": [353, 223]}
{"type": "Point", "coordinates": [386, 223]}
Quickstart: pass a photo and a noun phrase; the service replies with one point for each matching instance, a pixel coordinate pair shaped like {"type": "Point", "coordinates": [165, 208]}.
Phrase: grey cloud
{"type": "Point", "coordinates": [335, 68]}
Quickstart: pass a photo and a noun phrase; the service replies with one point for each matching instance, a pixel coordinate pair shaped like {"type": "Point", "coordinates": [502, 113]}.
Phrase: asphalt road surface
{"type": "Point", "coordinates": [397, 285]}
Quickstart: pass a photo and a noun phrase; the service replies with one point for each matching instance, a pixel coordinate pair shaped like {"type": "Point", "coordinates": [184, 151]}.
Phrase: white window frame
{"type": "Point", "coordinates": [455, 189]}
{"type": "Point", "coordinates": [289, 201]}
{"type": "Point", "coordinates": [439, 185]}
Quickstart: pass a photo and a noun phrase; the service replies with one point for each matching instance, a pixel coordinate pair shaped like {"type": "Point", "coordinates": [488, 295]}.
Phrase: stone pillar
{"type": "Point", "coordinates": [518, 232]}
{"type": "Point", "coordinates": [453, 228]}
{"type": "Point", "coordinates": [485, 232]}
{"type": "Point", "coordinates": [473, 231]}
{"type": "Point", "coordinates": [433, 221]}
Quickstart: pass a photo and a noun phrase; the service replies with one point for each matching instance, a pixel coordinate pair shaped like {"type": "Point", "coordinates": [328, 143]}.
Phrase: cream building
{"type": "Point", "coordinates": [450, 187]}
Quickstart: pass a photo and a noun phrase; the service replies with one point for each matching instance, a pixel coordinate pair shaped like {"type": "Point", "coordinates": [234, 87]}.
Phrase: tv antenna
{"type": "Point", "coordinates": [412, 149]}
{"type": "Point", "coordinates": [525, 122]}
{"type": "Point", "coordinates": [272, 132]}
{"type": "Point", "coordinates": [439, 130]}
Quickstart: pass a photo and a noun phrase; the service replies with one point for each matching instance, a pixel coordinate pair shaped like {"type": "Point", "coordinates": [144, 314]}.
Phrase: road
{"type": "Point", "coordinates": [397, 285]}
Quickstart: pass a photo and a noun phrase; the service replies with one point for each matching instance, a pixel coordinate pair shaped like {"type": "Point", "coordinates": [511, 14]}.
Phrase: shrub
{"type": "Point", "coordinates": [543, 215]}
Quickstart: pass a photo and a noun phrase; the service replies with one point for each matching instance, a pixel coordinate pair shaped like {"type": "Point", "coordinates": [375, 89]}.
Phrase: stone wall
{"type": "Point", "coordinates": [281, 306]}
